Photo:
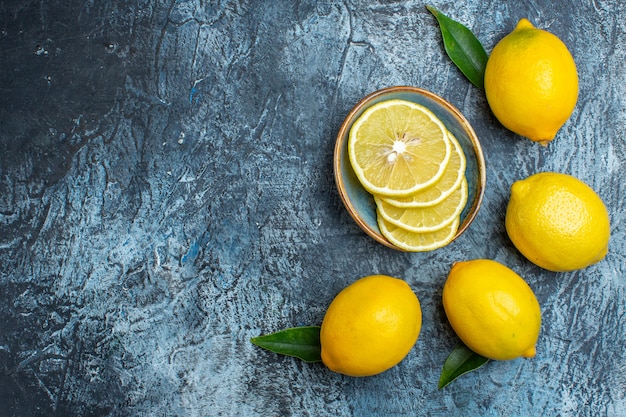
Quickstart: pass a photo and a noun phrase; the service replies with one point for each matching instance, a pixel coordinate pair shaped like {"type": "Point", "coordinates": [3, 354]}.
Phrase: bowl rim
{"type": "Point", "coordinates": [344, 132]}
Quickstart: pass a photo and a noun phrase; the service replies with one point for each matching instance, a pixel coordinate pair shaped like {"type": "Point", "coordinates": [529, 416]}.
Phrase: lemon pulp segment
{"type": "Point", "coordinates": [426, 219]}
{"type": "Point", "coordinates": [397, 147]}
{"type": "Point", "coordinates": [436, 193]}
{"type": "Point", "coordinates": [418, 242]}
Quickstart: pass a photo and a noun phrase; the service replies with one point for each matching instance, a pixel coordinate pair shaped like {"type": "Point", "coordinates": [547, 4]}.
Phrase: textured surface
{"type": "Point", "coordinates": [166, 193]}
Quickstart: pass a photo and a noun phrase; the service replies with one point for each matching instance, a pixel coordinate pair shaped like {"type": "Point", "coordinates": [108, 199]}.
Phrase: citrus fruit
{"type": "Point", "coordinates": [397, 147]}
{"type": "Point", "coordinates": [492, 309]}
{"type": "Point", "coordinates": [531, 82]}
{"type": "Point", "coordinates": [415, 169]}
{"type": "Point", "coordinates": [436, 193]}
{"type": "Point", "coordinates": [370, 326]}
{"type": "Point", "coordinates": [425, 219]}
{"type": "Point", "coordinates": [557, 221]}
{"type": "Point", "coordinates": [418, 242]}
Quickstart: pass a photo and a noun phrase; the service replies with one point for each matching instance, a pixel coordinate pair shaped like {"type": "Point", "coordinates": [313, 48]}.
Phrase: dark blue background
{"type": "Point", "coordinates": [166, 193]}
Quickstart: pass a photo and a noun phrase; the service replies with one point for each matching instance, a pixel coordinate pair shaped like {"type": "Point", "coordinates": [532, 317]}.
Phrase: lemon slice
{"type": "Point", "coordinates": [397, 147]}
{"type": "Point", "coordinates": [449, 181]}
{"type": "Point", "coordinates": [425, 219]}
{"type": "Point", "coordinates": [418, 242]}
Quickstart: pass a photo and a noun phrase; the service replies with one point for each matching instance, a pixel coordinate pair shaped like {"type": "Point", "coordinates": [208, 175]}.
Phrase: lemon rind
{"type": "Point", "coordinates": [425, 229]}
{"type": "Point", "coordinates": [388, 234]}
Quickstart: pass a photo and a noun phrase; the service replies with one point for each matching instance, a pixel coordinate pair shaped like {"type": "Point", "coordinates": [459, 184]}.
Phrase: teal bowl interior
{"type": "Point", "coordinates": [360, 204]}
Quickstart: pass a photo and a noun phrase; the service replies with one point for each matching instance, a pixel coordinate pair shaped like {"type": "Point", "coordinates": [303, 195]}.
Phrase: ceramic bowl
{"type": "Point", "coordinates": [360, 204]}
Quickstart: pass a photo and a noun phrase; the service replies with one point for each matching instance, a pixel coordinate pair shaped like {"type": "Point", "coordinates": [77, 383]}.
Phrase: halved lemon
{"type": "Point", "coordinates": [449, 181]}
{"type": "Point", "coordinates": [397, 147]}
{"type": "Point", "coordinates": [425, 219]}
{"type": "Point", "coordinates": [418, 242]}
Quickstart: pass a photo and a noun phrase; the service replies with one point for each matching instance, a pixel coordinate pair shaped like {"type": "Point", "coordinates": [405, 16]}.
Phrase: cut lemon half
{"type": "Point", "coordinates": [449, 181]}
{"type": "Point", "coordinates": [418, 242]}
{"type": "Point", "coordinates": [425, 219]}
{"type": "Point", "coordinates": [397, 147]}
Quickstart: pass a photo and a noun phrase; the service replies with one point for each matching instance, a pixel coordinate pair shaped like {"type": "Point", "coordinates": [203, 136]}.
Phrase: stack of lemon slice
{"type": "Point", "coordinates": [415, 168]}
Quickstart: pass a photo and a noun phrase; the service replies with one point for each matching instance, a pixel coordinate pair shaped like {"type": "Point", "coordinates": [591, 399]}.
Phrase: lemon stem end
{"type": "Point", "coordinates": [524, 24]}
{"type": "Point", "coordinates": [530, 353]}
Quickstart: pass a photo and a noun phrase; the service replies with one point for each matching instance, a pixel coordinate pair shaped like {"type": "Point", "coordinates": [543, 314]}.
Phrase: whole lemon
{"type": "Point", "coordinates": [531, 82]}
{"type": "Point", "coordinates": [492, 309]}
{"type": "Point", "coordinates": [557, 221]}
{"type": "Point", "coordinates": [370, 326]}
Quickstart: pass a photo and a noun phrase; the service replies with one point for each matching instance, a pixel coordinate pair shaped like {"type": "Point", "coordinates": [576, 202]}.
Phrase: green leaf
{"type": "Point", "coordinates": [460, 361]}
{"type": "Point", "coordinates": [463, 48]}
{"type": "Point", "coordinates": [301, 342]}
